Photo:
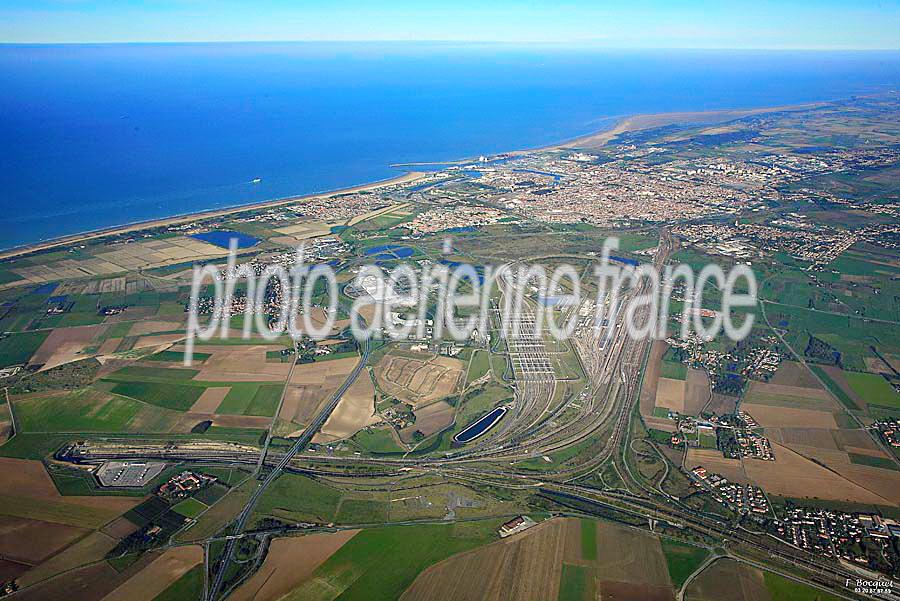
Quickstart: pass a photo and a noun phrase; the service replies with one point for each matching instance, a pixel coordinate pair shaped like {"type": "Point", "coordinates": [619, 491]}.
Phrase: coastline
{"type": "Point", "coordinates": [11, 253]}
{"type": "Point", "coordinates": [595, 139]}
{"type": "Point", "coordinates": [651, 120]}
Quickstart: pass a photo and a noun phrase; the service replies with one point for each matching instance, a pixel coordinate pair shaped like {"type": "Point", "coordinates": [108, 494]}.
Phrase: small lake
{"type": "Point", "coordinates": [387, 252]}
{"type": "Point", "coordinates": [222, 238]}
{"type": "Point", "coordinates": [625, 260]}
{"type": "Point", "coordinates": [47, 288]}
{"type": "Point", "coordinates": [481, 426]}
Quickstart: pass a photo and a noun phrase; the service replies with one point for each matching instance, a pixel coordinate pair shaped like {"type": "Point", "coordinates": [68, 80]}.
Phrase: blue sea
{"type": "Point", "coordinates": [93, 136]}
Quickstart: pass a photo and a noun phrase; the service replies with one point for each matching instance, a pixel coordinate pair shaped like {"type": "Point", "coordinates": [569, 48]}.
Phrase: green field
{"type": "Point", "coordinates": [849, 265]}
{"type": "Point", "coordinates": [835, 388]}
{"type": "Point", "coordinates": [178, 397]}
{"type": "Point", "coordinates": [707, 441]}
{"type": "Point", "coordinates": [362, 511]}
{"type": "Point", "coordinates": [682, 560]}
{"type": "Point", "coordinates": [190, 508]}
{"type": "Point", "coordinates": [277, 357]}
{"type": "Point", "coordinates": [629, 242]}
{"type": "Point", "coordinates": [480, 365]}
{"type": "Point", "coordinates": [265, 400]}
{"type": "Point", "coordinates": [588, 540]}
{"type": "Point", "coordinates": [177, 356]}
{"type": "Point", "coordinates": [499, 365]}
{"type": "Point", "coordinates": [18, 348]}
{"type": "Point", "coordinates": [376, 440]}
{"type": "Point", "coordinates": [76, 411]}
{"type": "Point", "coordinates": [673, 370]}
{"type": "Point", "coordinates": [7, 276]}
{"type": "Point", "coordinates": [251, 398]}
{"type": "Point", "coordinates": [575, 583]}
{"type": "Point", "coordinates": [882, 462]}
{"type": "Point", "coordinates": [556, 458]}
{"type": "Point", "coordinates": [873, 389]}
{"type": "Point", "coordinates": [783, 589]}
{"type": "Point", "coordinates": [189, 586]}
{"type": "Point", "coordinates": [73, 319]}
{"type": "Point", "coordinates": [659, 436]}
{"type": "Point", "coordinates": [298, 497]}
{"type": "Point", "coordinates": [381, 563]}
{"type": "Point", "coordinates": [851, 335]}
{"type": "Point", "coordinates": [155, 385]}
{"type": "Point", "coordinates": [332, 356]}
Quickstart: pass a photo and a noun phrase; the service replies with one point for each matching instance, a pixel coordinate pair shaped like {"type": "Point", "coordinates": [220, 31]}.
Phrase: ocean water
{"type": "Point", "coordinates": [96, 136]}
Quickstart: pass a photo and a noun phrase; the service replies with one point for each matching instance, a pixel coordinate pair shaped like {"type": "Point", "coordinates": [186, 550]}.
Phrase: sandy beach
{"type": "Point", "coordinates": [649, 121]}
{"type": "Point", "coordinates": [178, 219]}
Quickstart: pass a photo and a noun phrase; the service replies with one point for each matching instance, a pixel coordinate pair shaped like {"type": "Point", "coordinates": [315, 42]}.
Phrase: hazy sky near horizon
{"type": "Point", "coordinates": [812, 24]}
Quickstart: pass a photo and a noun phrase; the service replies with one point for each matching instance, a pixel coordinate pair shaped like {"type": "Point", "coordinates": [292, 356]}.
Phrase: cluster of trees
{"type": "Point", "coordinates": [822, 352]}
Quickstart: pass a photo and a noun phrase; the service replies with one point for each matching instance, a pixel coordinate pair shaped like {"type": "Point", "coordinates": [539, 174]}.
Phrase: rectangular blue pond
{"type": "Point", "coordinates": [481, 426]}
{"type": "Point", "coordinates": [223, 238]}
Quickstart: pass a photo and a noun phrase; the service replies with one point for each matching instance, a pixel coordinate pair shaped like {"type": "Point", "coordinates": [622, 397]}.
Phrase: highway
{"type": "Point", "coordinates": [301, 443]}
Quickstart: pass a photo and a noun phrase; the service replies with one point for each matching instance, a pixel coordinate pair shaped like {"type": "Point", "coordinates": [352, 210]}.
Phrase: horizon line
{"type": "Point", "coordinates": [550, 43]}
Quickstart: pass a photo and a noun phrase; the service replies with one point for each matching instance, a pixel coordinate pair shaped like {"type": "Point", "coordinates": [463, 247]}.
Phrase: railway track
{"type": "Point", "coordinates": [301, 443]}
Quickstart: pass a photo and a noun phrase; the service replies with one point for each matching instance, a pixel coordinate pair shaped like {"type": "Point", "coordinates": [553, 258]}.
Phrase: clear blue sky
{"type": "Point", "coordinates": [838, 24]}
